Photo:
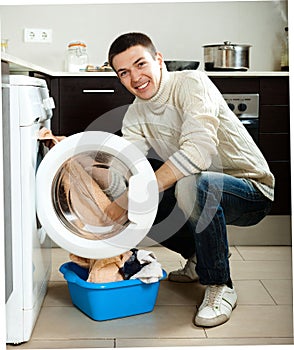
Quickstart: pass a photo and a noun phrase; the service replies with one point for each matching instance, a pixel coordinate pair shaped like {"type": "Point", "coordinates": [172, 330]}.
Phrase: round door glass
{"type": "Point", "coordinates": [83, 187]}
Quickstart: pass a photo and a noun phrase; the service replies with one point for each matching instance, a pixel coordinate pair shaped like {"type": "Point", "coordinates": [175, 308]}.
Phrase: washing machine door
{"type": "Point", "coordinates": [83, 174]}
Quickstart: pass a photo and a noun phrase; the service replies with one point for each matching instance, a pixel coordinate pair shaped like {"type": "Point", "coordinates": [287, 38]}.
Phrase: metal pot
{"type": "Point", "coordinates": [226, 56]}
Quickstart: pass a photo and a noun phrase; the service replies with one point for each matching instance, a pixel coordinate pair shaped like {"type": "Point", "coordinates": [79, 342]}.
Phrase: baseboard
{"type": "Point", "coordinates": [272, 230]}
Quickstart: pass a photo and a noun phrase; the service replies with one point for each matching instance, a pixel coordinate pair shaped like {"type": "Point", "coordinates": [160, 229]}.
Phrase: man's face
{"type": "Point", "coordinates": [138, 71]}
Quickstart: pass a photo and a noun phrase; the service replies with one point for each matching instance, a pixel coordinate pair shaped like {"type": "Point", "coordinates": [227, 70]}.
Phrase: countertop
{"type": "Point", "coordinates": [18, 65]}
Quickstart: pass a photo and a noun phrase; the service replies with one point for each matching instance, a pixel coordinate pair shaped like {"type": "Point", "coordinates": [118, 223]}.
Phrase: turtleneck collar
{"type": "Point", "coordinates": [162, 94]}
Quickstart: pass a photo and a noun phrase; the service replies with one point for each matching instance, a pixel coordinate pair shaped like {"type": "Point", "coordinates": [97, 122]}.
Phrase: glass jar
{"type": "Point", "coordinates": [4, 45]}
{"type": "Point", "coordinates": [77, 56]}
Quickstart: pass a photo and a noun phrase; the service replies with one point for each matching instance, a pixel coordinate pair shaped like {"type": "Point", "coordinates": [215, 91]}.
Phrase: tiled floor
{"type": "Point", "coordinates": [263, 316]}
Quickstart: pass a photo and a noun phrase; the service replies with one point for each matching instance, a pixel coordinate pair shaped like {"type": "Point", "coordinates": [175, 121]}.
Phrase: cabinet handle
{"type": "Point", "coordinates": [98, 91]}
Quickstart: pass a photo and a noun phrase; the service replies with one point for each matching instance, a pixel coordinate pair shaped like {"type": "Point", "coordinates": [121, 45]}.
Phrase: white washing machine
{"type": "Point", "coordinates": [27, 248]}
{"type": "Point", "coordinates": [60, 193]}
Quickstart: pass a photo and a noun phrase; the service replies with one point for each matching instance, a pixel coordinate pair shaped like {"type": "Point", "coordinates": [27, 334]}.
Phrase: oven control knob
{"type": "Point", "coordinates": [231, 106]}
{"type": "Point", "coordinates": [242, 107]}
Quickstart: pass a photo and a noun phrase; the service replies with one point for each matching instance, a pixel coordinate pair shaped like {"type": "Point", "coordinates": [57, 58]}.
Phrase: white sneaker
{"type": "Point", "coordinates": [217, 306]}
{"type": "Point", "coordinates": [187, 274]}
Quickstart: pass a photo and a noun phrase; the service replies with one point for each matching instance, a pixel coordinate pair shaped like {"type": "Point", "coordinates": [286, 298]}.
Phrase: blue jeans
{"type": "Point", "coordinates": [210, 201]}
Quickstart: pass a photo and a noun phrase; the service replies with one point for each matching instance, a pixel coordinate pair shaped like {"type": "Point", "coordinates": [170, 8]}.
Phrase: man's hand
{"type": "Point", "coordinates": [167, 175]}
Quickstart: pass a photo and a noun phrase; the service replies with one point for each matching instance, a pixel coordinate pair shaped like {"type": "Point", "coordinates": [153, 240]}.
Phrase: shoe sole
{"type": "Point", "coordinates": [212, 322]}
{"type": "Point", "coordinates": [217, 321]}
{"type": "Point", "coordinates": [184, 280]}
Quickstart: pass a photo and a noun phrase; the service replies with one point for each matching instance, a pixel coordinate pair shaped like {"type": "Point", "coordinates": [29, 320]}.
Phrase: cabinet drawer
{"type": "Point", "coordinates": [84, 100]}
{"type": "Point", "coordinates": [274, 119]}
{"type": "Point", "coordinates": [236, 85]}
{"type": "Point", "coordinates": [275, 147]}
{"type": "Point", "coordinates": [274, 91]}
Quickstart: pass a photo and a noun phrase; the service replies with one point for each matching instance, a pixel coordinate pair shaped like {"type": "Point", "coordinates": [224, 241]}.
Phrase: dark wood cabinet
{"type": "Point", "coordinates": [274, 91]}
{"type": "Point", "coordinates": [236, 85]}
{"type": "Point", "coordinates": [99, 103]}
{"type": "Point", "coordinates": [89, 104]}
{"type": "Point", "coordinates": [274, 128]}
{"type": "Point", "coordinates": [274, 137]}
{"type": "Point", "coordinates": [274, 118]}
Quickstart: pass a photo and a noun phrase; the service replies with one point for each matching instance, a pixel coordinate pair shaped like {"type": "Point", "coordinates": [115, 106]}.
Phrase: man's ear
{"type": "Point", "coordinates": [159, 59]}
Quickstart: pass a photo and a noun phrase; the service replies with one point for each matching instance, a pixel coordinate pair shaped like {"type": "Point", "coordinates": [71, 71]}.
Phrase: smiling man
{"type": "Point", "coordinates": [209, 162]}
{"type": "Point", "coordinates": [140, 71]}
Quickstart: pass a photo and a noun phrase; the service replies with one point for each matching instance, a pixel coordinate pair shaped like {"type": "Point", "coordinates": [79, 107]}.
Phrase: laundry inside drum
{"type": "Point", "coordinates": [83, 187]}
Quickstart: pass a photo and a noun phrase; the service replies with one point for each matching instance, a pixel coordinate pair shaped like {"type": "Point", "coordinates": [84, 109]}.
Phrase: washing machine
{"type": "Point", "coordinates": [83, 174]}
{"type": "Point", "coordinates": [27, 247]}
{"type": "Point", "coordinates": [59, 194]}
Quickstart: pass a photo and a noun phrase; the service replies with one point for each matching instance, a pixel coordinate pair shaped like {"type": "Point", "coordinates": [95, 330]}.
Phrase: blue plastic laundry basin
{"type": "Point", "coordinates": [105, 301]}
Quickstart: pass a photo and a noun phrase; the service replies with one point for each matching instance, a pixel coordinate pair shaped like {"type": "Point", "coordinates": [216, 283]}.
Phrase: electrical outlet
{"type": "Point", "coordinates": [37, 35]}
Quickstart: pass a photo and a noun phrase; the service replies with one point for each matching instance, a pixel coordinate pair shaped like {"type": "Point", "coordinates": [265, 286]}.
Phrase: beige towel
{"type": "Point", "coordinates": [103, 270]}
{"type": "Point", "coordinates": [85, 198]}
{"type": "Point", "coordinates": [46, 134]}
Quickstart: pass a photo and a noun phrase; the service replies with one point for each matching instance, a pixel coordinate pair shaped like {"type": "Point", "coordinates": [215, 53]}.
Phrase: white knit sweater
{"type": "Point", "coordinates": [189, 123]}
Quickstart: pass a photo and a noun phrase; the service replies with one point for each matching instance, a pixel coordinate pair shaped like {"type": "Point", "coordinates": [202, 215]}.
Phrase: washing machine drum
{"type": "Point", "coordinates": [79, 177]}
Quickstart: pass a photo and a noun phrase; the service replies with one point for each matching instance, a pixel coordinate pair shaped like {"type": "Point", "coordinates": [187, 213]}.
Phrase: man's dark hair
{"type": "Point", "coordinates": [125, 41]}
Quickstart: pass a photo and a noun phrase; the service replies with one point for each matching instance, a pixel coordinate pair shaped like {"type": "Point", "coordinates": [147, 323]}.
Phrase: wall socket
{"type": "Point", "coordinates": [37, 35]}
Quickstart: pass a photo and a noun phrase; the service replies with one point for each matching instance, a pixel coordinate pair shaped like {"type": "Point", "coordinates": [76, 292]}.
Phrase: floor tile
{"type": "Point", "coordinates": [57, 295]}
{"type": "Point", "coordinates": [265, 253]}
{"type": "Point", "coordinates": [253, 270]}
{"type": "Point", "coordinates": [195, 342]}
{"type": "Point", "coordinates": [66, 344]}
{"type": "Point", "coordinates": [173, 293]}
{"type": "Point", "coordinates": [252, 293]}
{"type": "Point", "coordinates": [256, 321]}
{"type": "Point", "coordinates": [235, 254]}
{"type": "Point", "coordinates": [249, 293]}
{"type": "Point", "coordinates": [69, 322]}
{"type": "Point", "coordinates": [280, 290]}
{"type": "Point", "coordinates": [263, 279]}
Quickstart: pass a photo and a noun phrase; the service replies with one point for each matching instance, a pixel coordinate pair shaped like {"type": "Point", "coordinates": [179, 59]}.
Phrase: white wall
{"type": "Point", "coordinates": [178, 29]}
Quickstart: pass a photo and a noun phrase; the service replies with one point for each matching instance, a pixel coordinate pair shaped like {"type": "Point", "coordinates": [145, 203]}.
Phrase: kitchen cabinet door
{"type": "Point", "coordinates": [274, 137]}
{"type": "Point", "coordinates": [274, 91]}
{"type": "Point", "coordinates": [236, 85]}
{"type": "Point", "coordinates": [282, 173]}
{"type": "Point", "coordinates": [274, 128]}
{"type": "Point", "coordinates": [91, 104]}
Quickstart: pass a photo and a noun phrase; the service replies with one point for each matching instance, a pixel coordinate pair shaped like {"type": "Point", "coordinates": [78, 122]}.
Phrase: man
{"type": "Point", "coordinates": [219, 175]}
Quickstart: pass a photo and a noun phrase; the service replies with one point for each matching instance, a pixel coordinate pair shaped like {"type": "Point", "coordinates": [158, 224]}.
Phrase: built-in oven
{"type": "Point", "coordinates": [246, 108]}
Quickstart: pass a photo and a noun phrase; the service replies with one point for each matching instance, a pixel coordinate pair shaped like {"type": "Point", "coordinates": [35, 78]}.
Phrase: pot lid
{"type": "Point", "coordinates": [227, 43]}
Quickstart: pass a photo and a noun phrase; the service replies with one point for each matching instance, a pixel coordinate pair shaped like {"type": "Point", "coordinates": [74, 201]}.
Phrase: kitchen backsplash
{"type": "Point", "coordinates": [179, 30]}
